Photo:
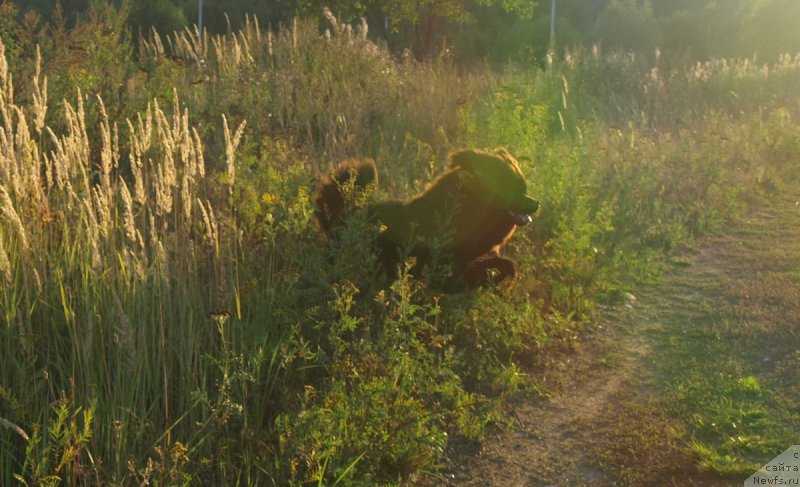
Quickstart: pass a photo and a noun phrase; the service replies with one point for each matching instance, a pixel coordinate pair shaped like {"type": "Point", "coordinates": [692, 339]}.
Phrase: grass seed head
{"type": "Point", "coordinates": [13, 218]}
{"type": "Point", "coordinates": [5, 265]}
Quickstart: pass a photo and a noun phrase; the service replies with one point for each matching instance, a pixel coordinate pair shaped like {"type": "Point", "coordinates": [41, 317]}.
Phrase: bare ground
{"type": "Point", "coordinates": [605, 422]}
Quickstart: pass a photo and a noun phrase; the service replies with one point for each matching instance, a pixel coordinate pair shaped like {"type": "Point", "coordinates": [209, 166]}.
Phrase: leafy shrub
{"type": "Point", "coordinates": [165, 285]}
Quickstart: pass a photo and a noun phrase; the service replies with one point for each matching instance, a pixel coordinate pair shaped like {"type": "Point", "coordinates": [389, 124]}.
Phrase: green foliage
{"type": "Point", "coordinates": [60, 453]}
{"type": "Point", "coordinates": [391, 395]}
{"type": "Point", "coordinates": [10, 29]}
{"type": "Point", "coordinates": [767, 29]}
{"type": "Point", "coordinates": [527, 41]}
{"type": "Point", "coordinates": [628, 24]}
{"type": "Point", "coordinates": [165, 284]}
{"type": "Point", "coordinates": [686, 31]}
{"type": "Point", "coordinates": [162, 15]}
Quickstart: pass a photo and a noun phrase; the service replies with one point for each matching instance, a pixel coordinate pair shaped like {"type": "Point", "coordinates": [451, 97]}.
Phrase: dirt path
{"type": "Point", "coordinates": [621, 402]}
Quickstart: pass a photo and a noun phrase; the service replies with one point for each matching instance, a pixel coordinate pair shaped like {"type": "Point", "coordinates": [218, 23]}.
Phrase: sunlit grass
{"type": "Point", "coordinates": [171, 313]}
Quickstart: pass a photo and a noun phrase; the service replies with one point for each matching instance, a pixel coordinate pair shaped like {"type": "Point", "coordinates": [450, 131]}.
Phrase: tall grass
{"type": "Point", "coordinates": [171, 314]}
{"type": "Point", "coordinates": [162, 310]}
{"type": "Point", "coordinates": [335, 95]}
{"type": "Point", "coordinates": [110, 276]}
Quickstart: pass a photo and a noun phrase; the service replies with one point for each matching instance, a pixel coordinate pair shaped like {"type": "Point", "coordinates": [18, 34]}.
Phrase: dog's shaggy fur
{"type": "Point", "coordinates": [465, 216]}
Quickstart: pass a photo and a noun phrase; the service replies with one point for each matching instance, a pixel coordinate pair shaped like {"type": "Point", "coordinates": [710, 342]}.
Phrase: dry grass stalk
{"type": "Point", "coordinates": [331, 18]}
{"type": "Point", "coordinates": [26, 163]}
{"type": "Point", "coordinates": [94, 244]}
{"type": "Point", "coordinates": [177, 117]}
{"type": "Point", "coordinates": [6, 84]}
{"type": "Point", "coordinates": [231, 144]}
{"type": "Point", "coordinates": [188, 154]}
{"type": "Point", "coordinates": [186, 198]}
{"type": "Point", "coordinates": [200, 164]}
{"type": "Point", "coordinates": [194, 44]}
{"type": "Point", "coordinates": [8, 162]}
{"type": "Point", "coordinates": [107, 153]}
{"type": "Point", "coordinates": [5, 264]}
{"type": "Point", "coordinates": [37, 280]}
{"type": "Point", "coordinates": [11, 215]}
{"type": "Point", "coordinates": [163, 190]}
{"type": "Point", "coordinates": [158, 255]}
{"type": "Point", "coordinates": [101, 214]}
{"type": "Point", "coordinates": [48, 171]}
{"type": "Point", "coordinates": [163, 128]}
{"type": "Point", "coordinates": [209, 222]}
{"type": "Point", "coordinates": [363, 29]}
{"type": "Point", "coordinates": [127, 212]}
{"type": "Point", "coordinates": [245, 48]}
{"type": "Point", "coordinates": [294, 34]}
{"type": "Point", "coordinates": [76, 148]}
{"type": "Point", "coordinates": [156, 47]}
{"type": "Point", "coordinates": [59, 159]}
{"type": "Point", "coordinates": [145, 129]}
{"type": "Point", "coordinates": [252, 28]}
{"type": "Point", "coordinates": [39, 96]}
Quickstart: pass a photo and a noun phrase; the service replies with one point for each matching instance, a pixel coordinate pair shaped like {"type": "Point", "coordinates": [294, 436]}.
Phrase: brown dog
{"type": "Point", "coordinates": [465, 216]}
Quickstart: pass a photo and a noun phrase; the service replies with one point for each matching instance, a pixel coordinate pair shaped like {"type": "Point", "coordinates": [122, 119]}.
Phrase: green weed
{"type": "Point", "coordinates": [165, 285]}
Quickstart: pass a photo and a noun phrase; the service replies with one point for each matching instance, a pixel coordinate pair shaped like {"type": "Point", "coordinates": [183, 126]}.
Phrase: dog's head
{"type": "Point", "coordinates": [495, 178]}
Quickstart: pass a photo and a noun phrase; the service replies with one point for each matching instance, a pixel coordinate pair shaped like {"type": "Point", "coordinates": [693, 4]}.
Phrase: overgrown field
{"type": "Point", "coordinates": [171, 313]}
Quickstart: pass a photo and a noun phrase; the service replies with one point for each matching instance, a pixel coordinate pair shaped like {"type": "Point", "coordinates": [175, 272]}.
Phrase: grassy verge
{"type": "Point", "coordinates": [171, 314]}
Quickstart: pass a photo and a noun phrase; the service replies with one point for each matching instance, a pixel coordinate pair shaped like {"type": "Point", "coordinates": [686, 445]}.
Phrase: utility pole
{"type": "Point", "coordinates": [553, 26]}
{"type": "Point", "coordinates": [200, 18]}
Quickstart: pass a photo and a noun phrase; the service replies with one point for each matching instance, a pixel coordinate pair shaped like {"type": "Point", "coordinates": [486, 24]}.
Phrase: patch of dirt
{"type": "Point", "coordinates": [553, 439]}
{"type": "Point", "coordinates": [604, 423]}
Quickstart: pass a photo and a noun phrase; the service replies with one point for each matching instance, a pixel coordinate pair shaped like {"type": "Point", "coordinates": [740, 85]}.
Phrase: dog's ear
{"type": "Point", "coordinates": [465, 159]}
{"type": "Point", "coordinates": [503, 152]}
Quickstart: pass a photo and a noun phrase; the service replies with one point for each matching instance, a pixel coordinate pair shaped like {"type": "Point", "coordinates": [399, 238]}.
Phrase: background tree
{"type": "Point", "coordinates": [162, 15]}
{"type": "Point", "coordinates": [770, 28]}
{"type": "Point", "coordinates": [628, 24]}
{"type": "Point", "coordinates": [430, 18]}
{"type": "Point", "coordinates": [499, 30]}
